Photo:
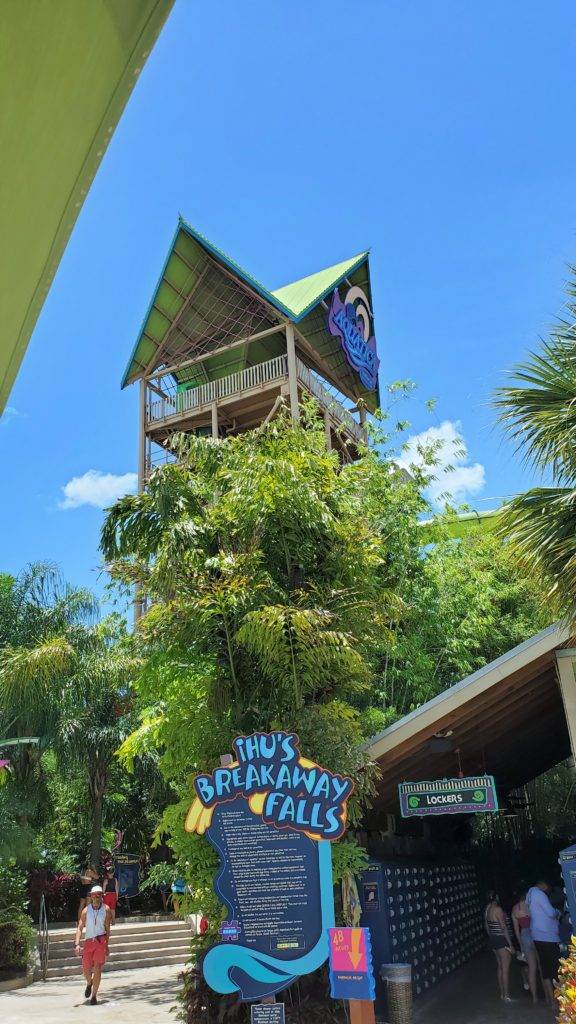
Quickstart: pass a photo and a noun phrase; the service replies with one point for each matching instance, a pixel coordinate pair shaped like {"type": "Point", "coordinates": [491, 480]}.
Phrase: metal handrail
{"type": "Point", "coordinates": [43, 938]}
{"type": "Point", "coordinates": [328, 401]}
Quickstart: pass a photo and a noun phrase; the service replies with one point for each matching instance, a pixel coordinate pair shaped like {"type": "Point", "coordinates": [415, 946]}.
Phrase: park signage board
{"type": "Point", "coordinates": [351, 973]}
{"type": "Point", "coordinates": [127, 870]}
{"type": "Point", "coordinates": [267, 1013]}
{"type": "Point", "coordinates": [473, 795]}
{"type": "Point", "coordinates": [270, 815]}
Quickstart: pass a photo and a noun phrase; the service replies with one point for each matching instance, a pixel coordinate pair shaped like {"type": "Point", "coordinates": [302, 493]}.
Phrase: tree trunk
{"type": "Point", "coordinates": [98, 787]}
{"type": "Point", "coordinates": [96, 836]}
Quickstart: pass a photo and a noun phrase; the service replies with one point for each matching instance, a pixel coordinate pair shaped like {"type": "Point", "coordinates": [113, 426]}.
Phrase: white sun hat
{"type": "Point", "coordinates": [96, 889]}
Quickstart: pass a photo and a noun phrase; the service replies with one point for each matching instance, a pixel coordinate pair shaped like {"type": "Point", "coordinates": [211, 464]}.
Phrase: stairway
{"type": "Point", "coordinates": [134, 943]}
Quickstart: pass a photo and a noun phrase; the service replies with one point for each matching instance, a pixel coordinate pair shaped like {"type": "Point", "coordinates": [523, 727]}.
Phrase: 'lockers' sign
{"type": "Point", "coordinates": [472, 795]}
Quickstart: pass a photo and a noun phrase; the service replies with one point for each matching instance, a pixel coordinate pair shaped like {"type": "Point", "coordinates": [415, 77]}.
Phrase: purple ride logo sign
{"type": "Point", "coordinates": [350, 321]}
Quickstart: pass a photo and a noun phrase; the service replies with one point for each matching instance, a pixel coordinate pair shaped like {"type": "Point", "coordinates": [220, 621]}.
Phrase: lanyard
{"type": "Point", "coordinates": [95, 914]}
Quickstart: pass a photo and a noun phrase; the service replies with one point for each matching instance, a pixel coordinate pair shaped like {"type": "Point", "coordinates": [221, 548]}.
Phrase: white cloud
{"type": "Point", "coordinates": [10, 413]}
{"type": "Point", "coordinates": [97, 489]}
{"type": "Point", "coordinates": [452, 474]}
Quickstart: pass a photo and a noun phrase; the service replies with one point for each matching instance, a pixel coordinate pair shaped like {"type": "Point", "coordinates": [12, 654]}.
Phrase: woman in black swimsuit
{"type": "Point", "coordinates": [500, 942]}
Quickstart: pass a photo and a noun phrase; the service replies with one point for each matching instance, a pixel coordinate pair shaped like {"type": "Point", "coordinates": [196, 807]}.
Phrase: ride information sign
{"type": "Point", "coordinates": [270, 882]}
{"type": "Point", "coordinates": [472, 795]}
{"type": "Point", "coordinates": [270, 814]}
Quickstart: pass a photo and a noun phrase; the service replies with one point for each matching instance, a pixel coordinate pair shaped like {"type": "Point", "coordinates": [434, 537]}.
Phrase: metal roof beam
{"type": "Point", "coordinates": [179, 314]}
{"type": "Point", "coordinates": [219, 351]}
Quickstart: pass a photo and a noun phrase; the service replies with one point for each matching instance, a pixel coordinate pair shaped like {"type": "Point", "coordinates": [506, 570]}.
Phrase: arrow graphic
{"type": "Point", "coordinates": [355, 952]}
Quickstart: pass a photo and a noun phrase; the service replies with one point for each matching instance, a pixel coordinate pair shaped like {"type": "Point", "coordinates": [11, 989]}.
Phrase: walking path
{"type": "Point", "coordinates": [128, 997]}
{"type": "Point", "coordinates": [469, 996]}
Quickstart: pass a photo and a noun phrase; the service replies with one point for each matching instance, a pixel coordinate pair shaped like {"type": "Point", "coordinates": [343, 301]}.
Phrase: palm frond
{"type": "Point", "coordinates": [539, 411]}
{"type": "Point", "coordinates": [541, 525]}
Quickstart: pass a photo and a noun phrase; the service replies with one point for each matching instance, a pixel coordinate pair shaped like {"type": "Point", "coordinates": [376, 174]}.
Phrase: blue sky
{"type": "Point", "coordinates": [295, 134]}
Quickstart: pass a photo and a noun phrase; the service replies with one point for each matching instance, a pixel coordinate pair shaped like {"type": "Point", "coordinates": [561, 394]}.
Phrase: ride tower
{"type": "Point", "coordinates": [218, 353]}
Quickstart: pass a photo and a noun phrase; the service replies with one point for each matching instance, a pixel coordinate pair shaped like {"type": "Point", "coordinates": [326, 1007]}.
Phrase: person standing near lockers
{"type": "Point", "coordinates": [545, 928]}
{"type": "Point", "coordinates": [521, 921]}
{"type": "Point", "coordinates": [500, 940]}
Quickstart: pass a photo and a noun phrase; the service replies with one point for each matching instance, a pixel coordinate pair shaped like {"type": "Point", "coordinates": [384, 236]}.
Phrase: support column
{"type": "Point", "coordinates": [142, 436]}
{"type": "Point", "coordinates": [292, 373]}
{"type": "Point", "coordinates": [565, 661]}
{"type": "Point", "coordinates": [138, 601]}
{"type": "Point", "coordinates": [328, 430]}
{"type": "Point", "coordinates": [214, 421]}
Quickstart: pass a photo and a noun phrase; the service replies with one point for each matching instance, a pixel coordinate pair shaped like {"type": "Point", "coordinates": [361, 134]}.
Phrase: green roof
{"type": "Point", "coordinates": [301, 295]}
{"type": "Point", "coordinates": [66, 73]}
{"type": "Point", "coordinates": [183, 274]}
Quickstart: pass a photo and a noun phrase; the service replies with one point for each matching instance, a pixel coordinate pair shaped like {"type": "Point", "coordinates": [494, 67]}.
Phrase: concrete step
{"type": "Point", "coordinates": [178, 960]}
{"type": "Point", "coordinates": [63, 934]}
{"type": "Point", "coordinates": [133, 945]}
{"type": "Point", "coordinates": [158, 935]}
{"type": "Point", "coordinates": [74, 963]}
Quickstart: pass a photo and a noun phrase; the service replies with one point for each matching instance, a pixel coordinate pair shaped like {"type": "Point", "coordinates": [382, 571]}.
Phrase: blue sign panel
{"type": "Point", "coordinates": [567, 861]}
{"type": "Point", "coordinates": [268, 815]}
{"type": "Point", "coordinates": [127, 869]}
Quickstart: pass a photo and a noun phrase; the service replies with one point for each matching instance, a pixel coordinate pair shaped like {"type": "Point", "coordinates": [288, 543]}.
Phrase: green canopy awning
{"type": "Point", "coordinates": [67, 68]}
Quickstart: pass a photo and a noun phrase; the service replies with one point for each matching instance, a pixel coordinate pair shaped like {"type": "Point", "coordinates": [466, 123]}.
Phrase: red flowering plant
{"type": "Point", "coordinates": [61, 891]}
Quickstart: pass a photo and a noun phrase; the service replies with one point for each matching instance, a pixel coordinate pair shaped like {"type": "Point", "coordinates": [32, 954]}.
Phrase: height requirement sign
{"type": "Point", "coordinates": [270, 815]}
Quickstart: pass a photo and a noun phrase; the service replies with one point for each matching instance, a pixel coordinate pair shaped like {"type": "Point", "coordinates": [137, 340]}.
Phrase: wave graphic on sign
{"type": "Point", "coordinates": [225, 964]}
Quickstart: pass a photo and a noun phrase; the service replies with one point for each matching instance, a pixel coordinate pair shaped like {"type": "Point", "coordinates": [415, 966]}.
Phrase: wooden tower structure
{"type": "Point", "coordinates": [218, 352]}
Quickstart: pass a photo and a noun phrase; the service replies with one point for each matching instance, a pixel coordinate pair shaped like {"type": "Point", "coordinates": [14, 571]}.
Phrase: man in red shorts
{"type": "Point", "coordinates": [95, 921]}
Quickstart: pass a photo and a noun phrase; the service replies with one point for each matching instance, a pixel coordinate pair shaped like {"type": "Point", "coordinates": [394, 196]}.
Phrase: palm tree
{"type": "Point", "coordinates": [538, 411]}
{"type": "Point", "coordinates": [96, 718]}
{"type": "Point", "coordinates": [43, 624]}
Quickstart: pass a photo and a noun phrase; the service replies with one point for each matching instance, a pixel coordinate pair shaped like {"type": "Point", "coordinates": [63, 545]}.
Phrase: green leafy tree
{"type": "Point", "coordinates": [96, 717]}
{"type": "Point", "coordinates": [42, 624]}
{"type": "Point", "coordinates": [273, 576]}
{"type": "Point", "coordinates": [538, 412]}
{"type": "Point", "coordinates": [466, 603]}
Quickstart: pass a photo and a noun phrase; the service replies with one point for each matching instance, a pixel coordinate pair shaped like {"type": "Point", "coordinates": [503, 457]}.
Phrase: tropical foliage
{"type": "Point", "coordinates": [285, 591]}
{"type": "Point", "coordinates": [273, 579]}
{"type": "Point", "coordinates": [538, 412]}
{"type": "Point", "coordinates": [65, 706]}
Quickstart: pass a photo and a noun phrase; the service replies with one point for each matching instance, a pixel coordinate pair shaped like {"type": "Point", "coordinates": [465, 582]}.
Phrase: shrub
{"type": "Point", "coordinates": [307, 1002]}
{"type": "Point", "coordinates": [16, 931]}
{"type": "Point", "coordinates": [16, 943]}
{"type": "Point", "coordinates": [61, 890]}
{"type": "Point", "coordinates": [13, 901]}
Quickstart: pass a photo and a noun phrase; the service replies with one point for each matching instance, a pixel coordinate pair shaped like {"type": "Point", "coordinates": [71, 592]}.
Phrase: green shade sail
{"type": "Point", "coordinates": [67, 68]}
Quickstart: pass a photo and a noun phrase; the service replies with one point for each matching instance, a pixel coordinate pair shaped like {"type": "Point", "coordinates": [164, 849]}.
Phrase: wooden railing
{"type": "Point", "coordinates": [194, 398]}
{"type": "Point", "coordinates": [178, 405]}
